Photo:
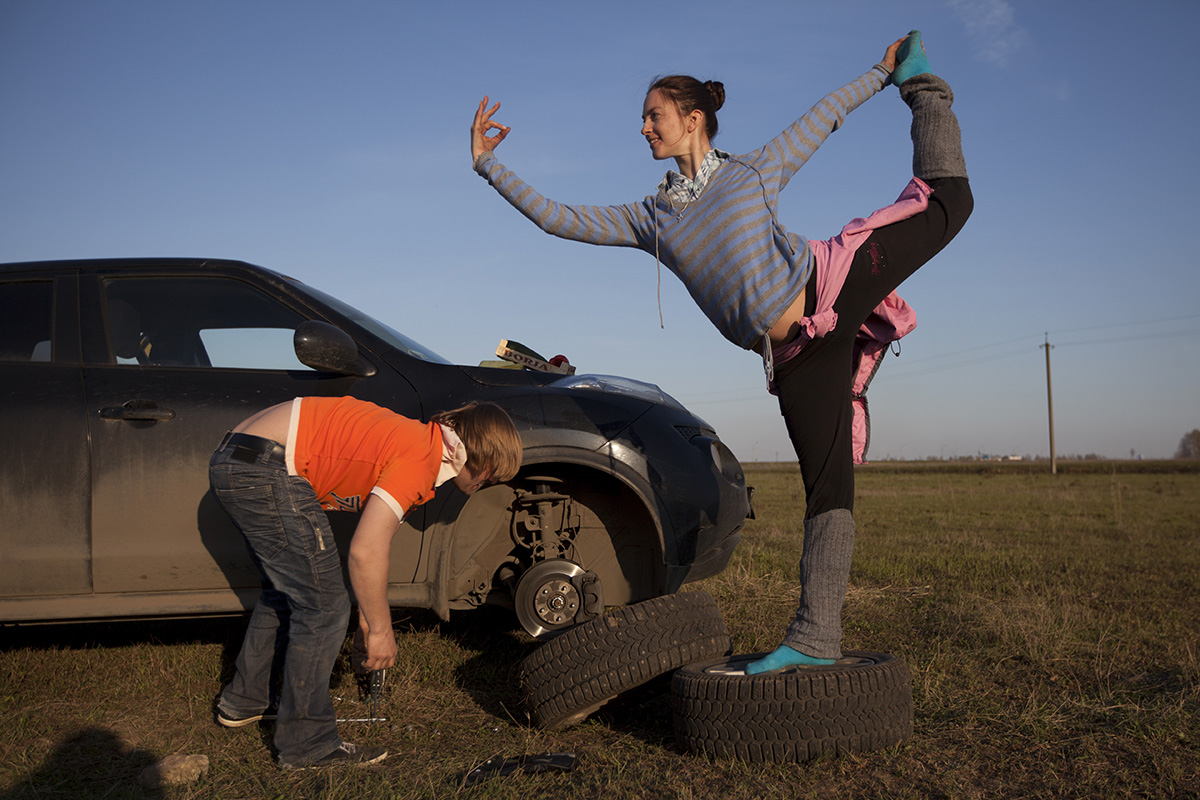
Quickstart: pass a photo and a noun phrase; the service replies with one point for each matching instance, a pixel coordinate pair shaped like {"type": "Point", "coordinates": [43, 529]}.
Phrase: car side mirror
{"type": "Point", "coordinates": [328, 348]}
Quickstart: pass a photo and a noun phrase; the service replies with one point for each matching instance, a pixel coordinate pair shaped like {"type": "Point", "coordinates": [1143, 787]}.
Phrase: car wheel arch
{"type": "Point", "coordinates": [597, 517]}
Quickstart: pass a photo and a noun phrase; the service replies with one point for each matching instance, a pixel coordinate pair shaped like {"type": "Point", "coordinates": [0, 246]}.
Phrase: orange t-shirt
{"type": "Point", "coordinates": [349, 449]}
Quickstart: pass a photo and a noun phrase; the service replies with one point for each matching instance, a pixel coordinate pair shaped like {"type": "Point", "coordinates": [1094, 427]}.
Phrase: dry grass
{"type": "Point", "coordinates": [1050, 623]}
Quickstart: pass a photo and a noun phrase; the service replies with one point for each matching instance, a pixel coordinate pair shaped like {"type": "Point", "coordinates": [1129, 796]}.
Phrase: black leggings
{"type": "Point", "coordinates": [814, 388]}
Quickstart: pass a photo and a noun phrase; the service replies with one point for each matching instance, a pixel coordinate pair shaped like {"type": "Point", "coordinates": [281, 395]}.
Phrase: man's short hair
{"type": "Point", "coordinates": [492, 442]}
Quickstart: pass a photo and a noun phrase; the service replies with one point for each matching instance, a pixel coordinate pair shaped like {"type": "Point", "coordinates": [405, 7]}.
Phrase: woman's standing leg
{"type": "Point", "coordinates": [814, 397]}
{"type": "Point", "coordinates": [814, 389]}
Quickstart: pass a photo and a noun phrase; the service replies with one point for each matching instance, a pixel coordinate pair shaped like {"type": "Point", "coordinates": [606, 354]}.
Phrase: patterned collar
{"type": "Point", "coordinates": [680, 190]}
{"type": "Point", "coordinates": [454, 455]}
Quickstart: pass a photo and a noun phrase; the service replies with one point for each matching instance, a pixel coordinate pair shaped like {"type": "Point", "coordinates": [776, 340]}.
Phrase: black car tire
{"type": "Point", "coordinates": [863, 702]}
{"type": "Point", "coordinates": [577, 672]}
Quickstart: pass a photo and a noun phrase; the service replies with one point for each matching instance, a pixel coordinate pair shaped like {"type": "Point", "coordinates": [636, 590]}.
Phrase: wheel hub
{"type": "Point", "coordinates": [556, 601]}
{"type": "Point", "coordinates": [550, 597]}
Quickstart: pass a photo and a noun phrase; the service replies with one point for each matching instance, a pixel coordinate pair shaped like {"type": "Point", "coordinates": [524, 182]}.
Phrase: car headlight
{"type": "Point", "coordinates": [726, 462]}
{"type": "Point", "coordinates": [616, 385]}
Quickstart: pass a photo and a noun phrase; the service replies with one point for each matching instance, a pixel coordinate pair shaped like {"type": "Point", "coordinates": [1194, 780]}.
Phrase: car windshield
{"type": "Point", "coordinates": [385, 332]}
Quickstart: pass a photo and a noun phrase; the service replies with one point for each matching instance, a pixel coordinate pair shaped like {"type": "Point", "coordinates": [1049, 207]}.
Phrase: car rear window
{"type": "Point", "coordinates": [26, 308]}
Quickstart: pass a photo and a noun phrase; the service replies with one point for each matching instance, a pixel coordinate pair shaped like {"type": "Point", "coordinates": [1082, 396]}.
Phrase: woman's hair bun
{"type": "Point", "coordinates": [717, 90]}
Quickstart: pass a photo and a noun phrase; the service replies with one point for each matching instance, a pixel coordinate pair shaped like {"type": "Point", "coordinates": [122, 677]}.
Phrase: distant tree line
{"type": "Point", "coordinates": [1189, 445]}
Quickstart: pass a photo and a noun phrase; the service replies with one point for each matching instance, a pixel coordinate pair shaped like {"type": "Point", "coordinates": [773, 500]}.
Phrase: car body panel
{"type": "Point", "coordinates": [152, 360]}
{"type": "Point", "coordinates": [43, 440]}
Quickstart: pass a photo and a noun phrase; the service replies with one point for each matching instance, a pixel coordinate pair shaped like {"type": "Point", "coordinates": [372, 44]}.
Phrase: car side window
{"type": "Point", "coordinates": [198, 322]}
{"type": "Point", "coordinates": [26, 312]}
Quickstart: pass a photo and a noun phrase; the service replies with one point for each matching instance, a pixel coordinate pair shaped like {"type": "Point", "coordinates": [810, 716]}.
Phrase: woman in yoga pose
{"type": "Point", "coordinates": [799, 302]}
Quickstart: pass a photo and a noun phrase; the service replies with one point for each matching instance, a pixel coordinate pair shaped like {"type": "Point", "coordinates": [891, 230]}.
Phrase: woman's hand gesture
{"type": "Point", "coordinates": [481, 142]}
{"type": "Point", "coordinates": [889, 58]}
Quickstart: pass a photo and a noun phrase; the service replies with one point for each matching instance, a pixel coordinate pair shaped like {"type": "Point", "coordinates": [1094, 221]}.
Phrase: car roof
{"type": "Point", "coordinates": [131, 263]}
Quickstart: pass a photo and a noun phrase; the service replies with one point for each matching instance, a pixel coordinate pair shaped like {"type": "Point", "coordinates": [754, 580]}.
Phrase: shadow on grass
{"type": "Point", "coordinates": [491, 675]}
{"type": "Point", "coordinates": [226, 631]}
{"type": "Point", "coordinates": [643, 713]}
{"type": "Point", "coordinates": [86, 635]}
{"type": "Point", "coordinates": [93, 762]}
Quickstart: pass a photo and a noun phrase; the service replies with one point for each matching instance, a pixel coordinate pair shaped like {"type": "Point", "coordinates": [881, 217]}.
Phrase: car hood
{"type": "Point", "coordinates": [625, 399]}
{"type": "Point", "coordinates": [614, 387]}
{"type": "Point", "coordinates": [496, 376]}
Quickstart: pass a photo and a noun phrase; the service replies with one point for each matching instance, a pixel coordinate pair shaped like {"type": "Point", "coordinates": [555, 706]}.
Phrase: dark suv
{"type": "Point", "coordinates": [119, 377]}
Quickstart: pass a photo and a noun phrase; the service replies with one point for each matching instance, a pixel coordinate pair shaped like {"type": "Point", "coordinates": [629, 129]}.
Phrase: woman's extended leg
{"type": "Point", "coordinates": [894, 252]}
{"type": "Point", "coordinates": [814, 389]}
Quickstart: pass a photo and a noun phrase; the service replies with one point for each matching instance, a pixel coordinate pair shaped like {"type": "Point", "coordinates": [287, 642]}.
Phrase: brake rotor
{"type": "Point", "coordinates": [547, 597]}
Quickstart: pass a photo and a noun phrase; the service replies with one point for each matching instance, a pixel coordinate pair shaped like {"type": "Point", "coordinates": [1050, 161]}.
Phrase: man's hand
{"type": "Point", "coordinates": [381, 645]}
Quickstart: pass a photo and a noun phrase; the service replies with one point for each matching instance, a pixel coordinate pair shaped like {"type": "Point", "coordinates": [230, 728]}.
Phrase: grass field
{"type": "Point", "coordinates": [1050, 622]}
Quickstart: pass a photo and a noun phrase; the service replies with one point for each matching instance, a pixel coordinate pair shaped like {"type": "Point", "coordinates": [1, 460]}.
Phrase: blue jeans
{"type": "Point", "coordinates": [302, 615]}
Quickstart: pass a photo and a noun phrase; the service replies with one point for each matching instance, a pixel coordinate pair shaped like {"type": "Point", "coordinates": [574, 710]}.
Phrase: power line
{"type": "Point", "coordinates": [966, 350]}
{"type": "Point", "coordinates": [891, 375]}
{"type": "Point", "coordinates": [1118, 340]}
{"type": "Point", "coordinates": [1124, 325]}
{"type": "Point", "coordinates": [1066, 331]}
{"type": "Point", "coordinates": [905, 372]}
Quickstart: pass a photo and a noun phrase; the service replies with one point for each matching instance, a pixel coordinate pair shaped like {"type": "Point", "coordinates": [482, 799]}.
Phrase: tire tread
{"type": "Point", "coordinates": [578, 671]}
{"type": "Point", "coordinates": [796, 715]}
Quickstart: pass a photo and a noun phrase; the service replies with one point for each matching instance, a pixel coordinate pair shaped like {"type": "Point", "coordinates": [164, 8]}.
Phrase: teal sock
{"type": "Point", "coordinates": [785, 656]}
{"type": "Point", "coordinates": [910, 59]}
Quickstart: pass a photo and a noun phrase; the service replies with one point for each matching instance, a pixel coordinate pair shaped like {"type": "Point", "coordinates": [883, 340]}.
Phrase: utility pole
{"type": "Point", "coordinates": [1050, 404]}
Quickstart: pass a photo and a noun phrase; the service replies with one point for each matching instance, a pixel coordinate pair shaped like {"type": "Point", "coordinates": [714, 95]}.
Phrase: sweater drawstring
{"type": "Point", "coordinates": [768, 354]}
{"type": "Point", "coordinates": [658, 266]}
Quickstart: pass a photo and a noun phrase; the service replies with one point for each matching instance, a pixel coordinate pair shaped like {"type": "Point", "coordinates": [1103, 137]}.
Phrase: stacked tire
{"type": "Point", "coordinates": [574, 674]}
{"type": "Point", "coordinates": [861, 703]}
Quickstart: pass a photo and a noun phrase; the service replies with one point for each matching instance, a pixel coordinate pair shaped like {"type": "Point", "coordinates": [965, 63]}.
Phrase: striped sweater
{"type": "Point", "coordinates": [740, 265]}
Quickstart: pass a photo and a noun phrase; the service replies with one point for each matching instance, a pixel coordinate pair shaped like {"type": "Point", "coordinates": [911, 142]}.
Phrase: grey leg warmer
{"type": "Point", "coordinates": [824, 575]}
{"type": "Point", "coordinates": [937, 141]}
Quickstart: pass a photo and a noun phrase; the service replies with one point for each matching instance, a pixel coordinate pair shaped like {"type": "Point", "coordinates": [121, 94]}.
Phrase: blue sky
{"type": "Point", "coordinates": [329, 141]}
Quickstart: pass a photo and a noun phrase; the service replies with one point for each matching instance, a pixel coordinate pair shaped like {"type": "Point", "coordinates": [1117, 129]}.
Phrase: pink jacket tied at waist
{"type": "Point", "coordinates": [891, 319]}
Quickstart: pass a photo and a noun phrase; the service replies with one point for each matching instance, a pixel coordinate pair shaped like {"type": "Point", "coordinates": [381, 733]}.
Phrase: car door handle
{"type": "Point", "coordinates": [141, 410]}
